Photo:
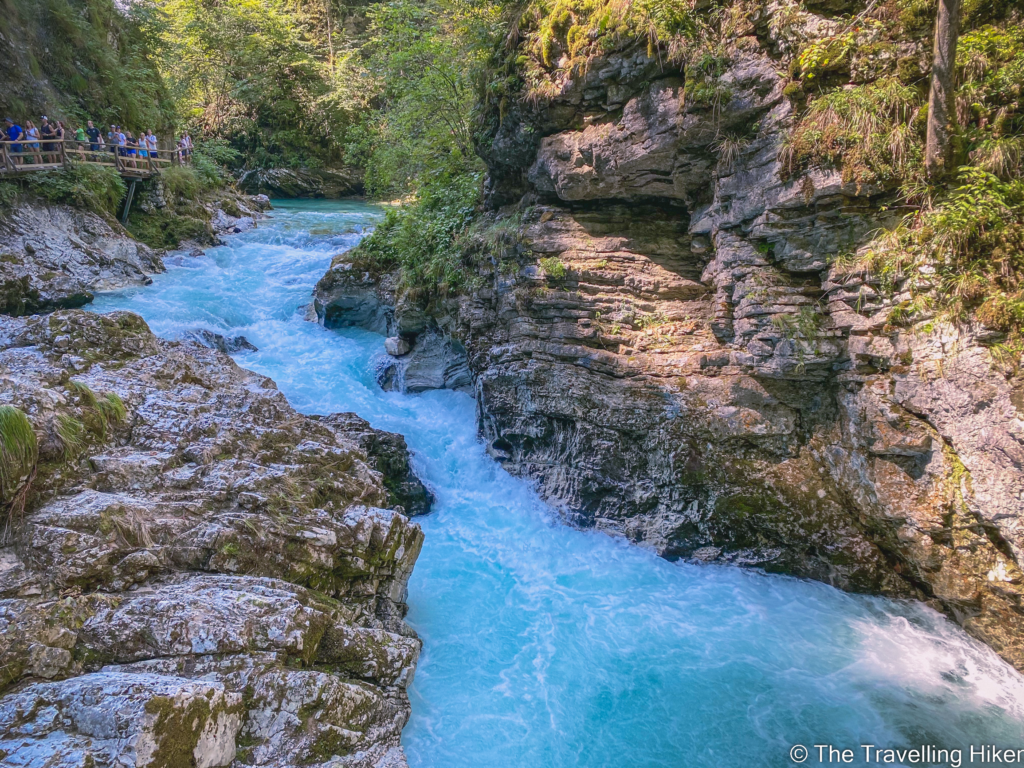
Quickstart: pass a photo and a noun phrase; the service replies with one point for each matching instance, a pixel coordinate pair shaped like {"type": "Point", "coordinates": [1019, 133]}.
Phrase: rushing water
{"type": "Point", "coordinates": [550, 647]}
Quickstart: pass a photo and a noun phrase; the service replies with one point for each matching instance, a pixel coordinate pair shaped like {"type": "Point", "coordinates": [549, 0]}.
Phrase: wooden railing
{"type": "Point", "coordinates": [42, 154]}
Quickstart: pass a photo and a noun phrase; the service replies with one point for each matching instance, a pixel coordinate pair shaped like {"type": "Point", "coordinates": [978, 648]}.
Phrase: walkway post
{"type": "Point", "coordinates": [128, 202]}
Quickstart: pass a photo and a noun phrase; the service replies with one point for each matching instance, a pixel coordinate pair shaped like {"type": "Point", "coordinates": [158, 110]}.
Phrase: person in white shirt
{"type": "Point", "coordinates": [151, 142]}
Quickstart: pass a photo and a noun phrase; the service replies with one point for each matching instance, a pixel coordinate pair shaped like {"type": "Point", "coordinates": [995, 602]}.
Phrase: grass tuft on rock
{"type": "Point", "coordinates": [871, 131]}
{"type": "Point", "coordinates": [19, 452]}
{"type": "Point", "coordinates": [99, 414]}
{"type": "Point", "coordinates": [112, 408]}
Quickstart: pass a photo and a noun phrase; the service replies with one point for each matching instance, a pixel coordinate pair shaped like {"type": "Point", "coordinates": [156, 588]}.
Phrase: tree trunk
{"type": "Point", "coordinates": [941, 113]}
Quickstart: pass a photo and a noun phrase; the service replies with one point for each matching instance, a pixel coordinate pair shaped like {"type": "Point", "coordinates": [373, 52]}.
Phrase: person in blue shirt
{"type": "Point", "coordinates": [14, 133]}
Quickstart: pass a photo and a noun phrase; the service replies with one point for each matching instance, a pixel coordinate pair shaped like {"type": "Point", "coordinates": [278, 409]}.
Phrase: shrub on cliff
{"type": "Point", "coordinates": [423, 239]}
{"type": "Point", "coordinates": [962, 257]}
{"type": "Point", "coordinates": [94, 188]}
{"type": "Point", "coordinates": [870, 131]}
{"type": "Point", "coordinates": [874, 131]}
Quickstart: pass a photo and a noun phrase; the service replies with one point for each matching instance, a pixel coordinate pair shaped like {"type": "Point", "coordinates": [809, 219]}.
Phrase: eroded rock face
{"type": "Point", "coordinates": [435, 360]}
{"type": "Point", "coordinates": [192, 547]}
{"type": "Point", "coordinates": [421, 355]}
{"type": "Point", "coordinates": [286, 182]}
{"type": "Point", "coordinates": [53, 256]}
{"type": "Point", "coordinates": [672, 358]}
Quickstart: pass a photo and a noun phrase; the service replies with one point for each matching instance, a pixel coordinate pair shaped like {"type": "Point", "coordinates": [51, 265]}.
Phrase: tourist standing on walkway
{"type": "Point", "coordinates": [112, 138]}
{"type": "Point", "coordinates": [80, 142]}
{"type": "Point", "coordinates": [16, 134]}
{"type": "Point", "coordinates": [60, 133]}
{"type": "Point", "coordinates": [122, 143]}
{"type": "Point", "coordinates": [130, 144]}
{"type": "Point", "coordinates": [46, 131]}
{"type": "Point", "coordinates": [33, 133]}
{"type": "Point", "coordinates": [94, 136]}
{"type": "Point", "coordinates": [151, 142]}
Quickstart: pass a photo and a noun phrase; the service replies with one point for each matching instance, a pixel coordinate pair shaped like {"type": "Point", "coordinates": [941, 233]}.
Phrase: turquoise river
{"type": "Point", "coordinates": [550, 647]}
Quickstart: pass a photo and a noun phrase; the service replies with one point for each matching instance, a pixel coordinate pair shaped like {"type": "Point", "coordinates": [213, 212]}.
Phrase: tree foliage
{"type": "Point", "coordinates": [85, 59]}
{"type": "Point", "coordinates": [255, 72]}
{"type": "Point", "coordinates": [421, 61]}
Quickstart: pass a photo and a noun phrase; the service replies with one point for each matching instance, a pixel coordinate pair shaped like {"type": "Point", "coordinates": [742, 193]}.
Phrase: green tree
{"type": "Point", "coordinates": [422, 61]}
{"type": "Point", "coordinates": [256, 72]}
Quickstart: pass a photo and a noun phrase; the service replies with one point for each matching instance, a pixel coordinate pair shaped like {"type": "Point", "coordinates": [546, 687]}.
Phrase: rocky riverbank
{"type": "Point", "coordinates": [192, 573]}
{"type": "Point", "coordinates": [669, 349]}
{"type": "Point", "coordinates": [57, 256]}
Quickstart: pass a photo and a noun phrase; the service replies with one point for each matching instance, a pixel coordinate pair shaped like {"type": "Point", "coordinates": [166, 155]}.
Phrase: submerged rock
{"type": "Point", "coordinates": [192, 550]}
{"type": "Point", "coordinates": [227, 344]}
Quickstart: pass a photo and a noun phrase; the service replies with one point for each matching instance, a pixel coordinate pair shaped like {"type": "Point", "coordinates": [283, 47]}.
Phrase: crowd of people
{"type": "Point", "coordinates": [38, 145]}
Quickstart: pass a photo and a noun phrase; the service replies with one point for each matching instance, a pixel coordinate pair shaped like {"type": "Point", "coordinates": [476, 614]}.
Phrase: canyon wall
{"type": "Point", "coordinates": [670, 352]}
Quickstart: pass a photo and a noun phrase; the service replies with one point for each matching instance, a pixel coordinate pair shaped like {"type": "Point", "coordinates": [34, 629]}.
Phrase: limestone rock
{"type": "Point", "coordinates": [192, 540]}
{"type": "Point", "coordinates": [436, 361]}
{"type": "Point", "coordinates": [286, 182]}
{"type": "Point", "coordinates": [695, 376]}
{"type": "Point", "coordinates": [396, 346]}
{"type": "Point", "coordinates": [389, 455]}
{"type": "Point", "coordinates": [54, 256]}
{"type": "Point", "coordinates": [112, 718]}
{"type": "Point", "coordinates": [223, 223]}
{"type": "Point", "coordinates": [350, 296]}
{"type": "Point", "coordinates": [298, 716]}
{"type": "Point", "coordinates": [227, 344]}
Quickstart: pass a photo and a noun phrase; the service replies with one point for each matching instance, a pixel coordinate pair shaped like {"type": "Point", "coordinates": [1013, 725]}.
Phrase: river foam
{"type": "Point", "coordinates": [545, 646]}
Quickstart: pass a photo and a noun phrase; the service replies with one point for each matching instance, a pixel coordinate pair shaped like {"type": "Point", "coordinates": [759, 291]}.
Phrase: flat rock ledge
{"type": "Point", "coordinates": [193, 573]}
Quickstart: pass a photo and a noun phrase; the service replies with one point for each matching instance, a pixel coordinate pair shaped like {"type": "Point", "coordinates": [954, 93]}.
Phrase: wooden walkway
{"type": "Point", "coordinates": [27, 156]}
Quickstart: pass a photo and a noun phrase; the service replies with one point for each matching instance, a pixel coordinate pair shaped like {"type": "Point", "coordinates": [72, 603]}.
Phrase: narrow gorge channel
{"type": "Point", "coordinates": [549, 646]}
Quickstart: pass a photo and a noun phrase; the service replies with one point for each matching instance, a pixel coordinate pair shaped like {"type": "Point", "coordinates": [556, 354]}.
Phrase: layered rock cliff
{"type": "Point", "coordinates": [191, 572]}
{"type": "Point", "coordinates": [670, 352]}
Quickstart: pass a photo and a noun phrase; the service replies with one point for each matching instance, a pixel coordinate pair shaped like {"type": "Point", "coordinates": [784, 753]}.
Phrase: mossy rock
{"type": "Point", "coordinates": [166, 230]}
